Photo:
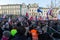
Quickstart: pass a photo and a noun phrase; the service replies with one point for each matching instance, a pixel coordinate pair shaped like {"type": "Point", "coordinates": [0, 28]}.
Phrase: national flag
{"type": "Point", "coordinates": [4, 16]}
{"type": "Point", "coordinates": [38, 10]}
{"type": "Point", "coordinates": [27, 14]}
{"type": "Point", "coordinates": [40, 18]}
{"type": "Point", "coordinates": [9, 20]}
{"type": "Point", "coordinates": [20, 18]}
{"type": "Point", "coordinates": [55, 18]}
{"type": "Point", "coordinates": [50, 11]}
{"type": "Point", "coordinates": [31, 18]}
{"type": "Point", "coordinates": [58, 17]}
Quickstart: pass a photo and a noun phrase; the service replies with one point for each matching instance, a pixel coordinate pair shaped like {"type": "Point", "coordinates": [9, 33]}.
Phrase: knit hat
{"type": "Point", "coordinates": [13, 32]}
{"type": "Point", "coordinates": [6, 33]}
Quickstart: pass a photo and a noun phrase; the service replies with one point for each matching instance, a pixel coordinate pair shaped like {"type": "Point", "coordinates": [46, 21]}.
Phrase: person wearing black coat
{"type": "Point", "coordinates": [21, 34]}
{"type": "Point", "coordinates": [1, 32]}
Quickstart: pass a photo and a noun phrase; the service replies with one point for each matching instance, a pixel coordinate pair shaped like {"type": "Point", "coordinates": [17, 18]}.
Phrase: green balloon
{"type": "Point", "coordinates": [13, 32]}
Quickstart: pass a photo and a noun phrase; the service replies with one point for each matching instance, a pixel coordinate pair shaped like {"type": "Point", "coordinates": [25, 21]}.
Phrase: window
{"type": "Point", "coordinates": [44, 11]}
{"type": "Point", "coordinates": [35, 10]}
{"type": "Point", "coordinates": [56, 13]}
{"type": "Point", "coordinates": [30, 13]}
{"type": "Point", "coordinates": [53, 10]}
{"type": "Point", "coordinates": [32, 10]}
{"type": "Point", "coordinates": [39, 14]}
{"type": "Point", "coordinates": [59, 12]}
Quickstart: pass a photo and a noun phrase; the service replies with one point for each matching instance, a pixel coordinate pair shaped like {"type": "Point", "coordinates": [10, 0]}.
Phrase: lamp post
{"type": "Point", "coordinates": [20, 9]}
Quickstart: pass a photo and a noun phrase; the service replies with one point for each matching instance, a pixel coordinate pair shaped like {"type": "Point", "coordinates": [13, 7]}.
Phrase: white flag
{"type": "Point", "coordinates": [58, 17]}
{"type": "Point", "coordinates": [4, 16]}
{"type": "Point", "coordinates": [9, 20]}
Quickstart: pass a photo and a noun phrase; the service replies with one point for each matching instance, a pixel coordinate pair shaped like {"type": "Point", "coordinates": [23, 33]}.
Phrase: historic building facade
{"type": "Point", "coordinates": [10, 9]}
{"type": "Point", "coordinates": [31, 9]}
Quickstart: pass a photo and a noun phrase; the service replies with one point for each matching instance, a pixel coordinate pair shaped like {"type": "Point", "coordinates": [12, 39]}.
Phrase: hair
{"type": "Point", "coordinates": [21, 30]}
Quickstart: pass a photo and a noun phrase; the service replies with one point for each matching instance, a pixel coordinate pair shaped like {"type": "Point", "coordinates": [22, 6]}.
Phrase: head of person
{"type": "Point", "coordinates": [21, 30]}
{"type": "Point", "coordinates": [13, 32]}
{"type": "Point", "coordinates": [6, 35]}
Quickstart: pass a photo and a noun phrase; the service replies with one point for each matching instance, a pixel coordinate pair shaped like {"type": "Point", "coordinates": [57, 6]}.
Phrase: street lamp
{"type": "Point", "coordinates": [20, 9]}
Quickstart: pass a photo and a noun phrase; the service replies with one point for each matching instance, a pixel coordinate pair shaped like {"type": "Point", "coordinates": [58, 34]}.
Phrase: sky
{"type": "Point", "coordinates": [41, 3]}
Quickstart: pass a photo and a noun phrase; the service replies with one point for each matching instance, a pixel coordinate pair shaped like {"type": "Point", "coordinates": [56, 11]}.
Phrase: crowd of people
{"type": "Point", "coordinates": [24, 29]}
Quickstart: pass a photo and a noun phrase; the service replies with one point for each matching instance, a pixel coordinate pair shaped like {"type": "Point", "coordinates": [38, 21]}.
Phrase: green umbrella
{"type": "Point", "coordinates": [13, 32]}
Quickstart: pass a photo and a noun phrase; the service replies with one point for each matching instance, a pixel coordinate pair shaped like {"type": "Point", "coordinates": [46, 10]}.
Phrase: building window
{"type": "Point", "coordinates": [30, 13]}
{"type": "Point", "coordinates": [44, 11]}
{"type": "Point", "coordinates": [56, 13]}
{"type": "Point", "coordinates": [53, 10]}
{"type": "Point", "coordinates": [35, 10]}
{"type": "Point", "coordinates": [32, 10]}
{"type": "Point", "coordinates": [59, 12]}
{"type": "Point", "coordinates": [39, 14]}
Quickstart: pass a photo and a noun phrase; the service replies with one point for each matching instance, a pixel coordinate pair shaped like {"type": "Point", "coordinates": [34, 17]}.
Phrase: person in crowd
{"type": "Point", "coordinates": [1, 32]}
{"type": "Point", "coordinates": [34, 34]}
{"type": "Point", "coordinates": [6, 35]}
{"type": "Point", "coordinates": [21, 28]}
{"type": "Point", "coordinates": [20, 33]}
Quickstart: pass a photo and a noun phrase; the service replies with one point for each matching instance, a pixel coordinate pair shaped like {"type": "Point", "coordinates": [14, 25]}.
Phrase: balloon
{"type": "Point", "coordinates": [13, 32]}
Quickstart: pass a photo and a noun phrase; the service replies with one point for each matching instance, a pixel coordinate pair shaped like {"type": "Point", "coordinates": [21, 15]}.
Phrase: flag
{"type": "Point", "coordinates": [38, 10]}
{"type": "Point", "coordinates": [55, 18]}
{"type": "Point", "coordinates": [58, 17]}
{"type": "Point", "coordinates": [20, 18]}
{"type": "Point", "coordinates": [9, 20]}
{"type": "Point", "coordinates": [31, 18]}
{"type": "Point", "coordinates": [27, 14]}
{"type": "Point", "coordinates": [40, 18]}
{"type": "Point", "coordinates": [4, 16]}
{"type": "Point", "coordinates": [50, 11]}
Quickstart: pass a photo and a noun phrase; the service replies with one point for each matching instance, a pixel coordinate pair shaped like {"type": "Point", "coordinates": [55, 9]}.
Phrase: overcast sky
{"type": "Point", "coordinates": [41, 3]}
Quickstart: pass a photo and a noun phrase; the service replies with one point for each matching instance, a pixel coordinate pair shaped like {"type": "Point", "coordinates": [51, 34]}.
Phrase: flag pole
{"type": "Point", "coordinates": [48, 18]}
{"type": "Point", "coordinates": [20, 9]}
{"type": "Point", "coordinates": [47, 14]}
